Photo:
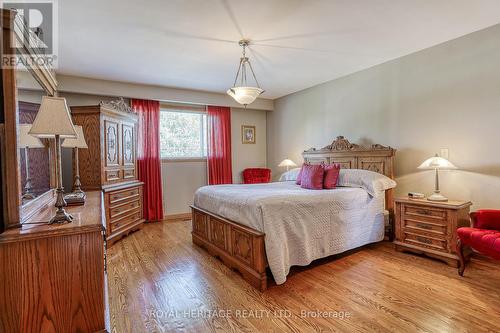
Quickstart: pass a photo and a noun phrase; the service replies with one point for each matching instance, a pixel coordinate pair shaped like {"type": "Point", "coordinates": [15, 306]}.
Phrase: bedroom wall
{"type": "Point", "coordinates": [248, 155]}
{"type": "Point", "coordinates": [447, 96]}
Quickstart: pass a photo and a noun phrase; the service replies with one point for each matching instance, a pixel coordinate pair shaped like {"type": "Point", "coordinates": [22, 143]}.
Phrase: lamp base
{"type": "Point", "coordinates": [61, 217]}
{"type": "Point", "coordinates": [437, 197]}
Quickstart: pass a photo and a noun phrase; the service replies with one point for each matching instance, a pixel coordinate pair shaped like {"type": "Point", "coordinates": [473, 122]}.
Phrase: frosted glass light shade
{"type": "Point", "coordinates": [244, 95]}
{"type": "Point", "coordinates": [53, 119]}
{"type": "Point", "coordinates": [79, 142]}
{"type": "Point", "coordinates": [26, 140]}
{"type": "Point", "coordinates": [437, 162]}
{"type": "Point", "coordinates": [287, 163]}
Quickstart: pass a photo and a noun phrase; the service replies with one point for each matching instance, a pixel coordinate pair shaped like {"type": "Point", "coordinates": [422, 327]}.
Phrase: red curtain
{"type": "Point", "coordinates": [148, 157]}
{"type": "Point", "coordinates": [219, 145]}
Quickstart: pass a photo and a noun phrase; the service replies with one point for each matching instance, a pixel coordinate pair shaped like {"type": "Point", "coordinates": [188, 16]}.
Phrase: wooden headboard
{"type": "Point", "coordinates": [377, 158]}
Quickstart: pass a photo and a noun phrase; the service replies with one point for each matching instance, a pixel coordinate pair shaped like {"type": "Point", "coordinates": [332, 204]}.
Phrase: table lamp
{"type": "Point", "coordinates": [78, 196]}
{"type": "Point", "coordinates": [53, 121]}
{"type": "Point", "coordinates": [27, 141]}
{"type": "Point", "coordinates": [437, 163]}
{"type": "Point", "coordinates": [287, 163]}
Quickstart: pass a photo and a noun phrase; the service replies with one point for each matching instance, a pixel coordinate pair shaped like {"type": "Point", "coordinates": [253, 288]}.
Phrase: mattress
{"type": "Point", "coordinates": [300, 225]}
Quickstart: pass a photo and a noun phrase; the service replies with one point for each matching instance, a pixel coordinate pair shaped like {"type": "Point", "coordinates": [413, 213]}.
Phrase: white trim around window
{"type": "Point", "coordinates": [187, 109]}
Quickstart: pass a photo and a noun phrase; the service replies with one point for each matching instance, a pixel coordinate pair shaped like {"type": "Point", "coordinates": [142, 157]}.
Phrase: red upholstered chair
{"type": "Point", "coordinates": [256, 175]}
{"type": "Point", "coordinates": [484, 236]}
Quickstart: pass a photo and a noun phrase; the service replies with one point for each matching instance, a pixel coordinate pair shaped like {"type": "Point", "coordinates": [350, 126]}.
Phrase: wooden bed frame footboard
{"type": "Point", "coordinates": [243, 248]}
{"type": "Point", "coordinates": [238, 247]}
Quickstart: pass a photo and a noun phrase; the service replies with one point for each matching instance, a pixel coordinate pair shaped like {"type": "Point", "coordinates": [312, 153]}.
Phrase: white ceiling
{"type": "Point", "coordinates": [297, 43]}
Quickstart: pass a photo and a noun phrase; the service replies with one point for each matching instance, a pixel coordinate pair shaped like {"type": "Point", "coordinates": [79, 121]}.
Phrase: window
{"type": "Point", "coordinates": [183, 134]}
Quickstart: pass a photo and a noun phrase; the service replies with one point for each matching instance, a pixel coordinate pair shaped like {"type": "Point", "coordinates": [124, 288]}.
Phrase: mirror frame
{"type": "Point", "coordinates": [14, 212]}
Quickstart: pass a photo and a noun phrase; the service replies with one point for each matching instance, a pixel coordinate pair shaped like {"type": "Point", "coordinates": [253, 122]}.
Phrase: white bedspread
{"type": "Point", "coordinates": [300, 225]}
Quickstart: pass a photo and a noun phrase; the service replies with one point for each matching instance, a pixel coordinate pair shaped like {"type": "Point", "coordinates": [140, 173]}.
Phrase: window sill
{"type": "Point", "coordinates": [183, 160]}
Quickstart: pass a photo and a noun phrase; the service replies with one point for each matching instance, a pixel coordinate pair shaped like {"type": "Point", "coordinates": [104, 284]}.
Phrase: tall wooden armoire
{"type": "Point", "coordinates": [110, 163]}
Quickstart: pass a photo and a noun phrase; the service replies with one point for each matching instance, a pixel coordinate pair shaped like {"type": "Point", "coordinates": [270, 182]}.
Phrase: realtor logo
{"type": "Point", "coordinates": [35, 33]}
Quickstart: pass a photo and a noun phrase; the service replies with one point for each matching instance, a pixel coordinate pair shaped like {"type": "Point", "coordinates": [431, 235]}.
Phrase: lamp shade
{"type": "Point", "coordinates": [79, 142]}
{"type": "Point", "coordinates": [244, 95]}
{"type": "Point", "coordinates": [26, 140]}
{"type": "Point", "coordinates": [437, 162]}
{"type": "Point", "coordinates": [287, 163]}
{"type": "Point", "coordinates": [53, 119]}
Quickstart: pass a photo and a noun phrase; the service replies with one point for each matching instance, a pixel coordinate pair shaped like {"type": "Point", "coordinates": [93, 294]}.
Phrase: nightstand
{"type": "Point", "coordinates": [430, 228]}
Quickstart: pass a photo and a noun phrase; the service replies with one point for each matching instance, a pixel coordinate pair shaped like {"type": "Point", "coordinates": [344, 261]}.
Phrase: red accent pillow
{"type": "Point", "coordinates": [331, 176]}
{"type": "Point", "coordinates": [312, 177]}
{"type": "Point", "coordinates": [299, 176]}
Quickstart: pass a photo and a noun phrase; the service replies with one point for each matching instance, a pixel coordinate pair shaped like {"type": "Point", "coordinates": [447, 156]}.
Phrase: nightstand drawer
{"type": "Point", "coordinates": [421, 227]}
{"type": "Point", "coordinates": [429, 214]}
{"type": "Point", "coordinates": [429, 242]}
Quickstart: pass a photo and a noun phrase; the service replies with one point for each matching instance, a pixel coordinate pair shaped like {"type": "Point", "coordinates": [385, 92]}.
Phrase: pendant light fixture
{"type": "Point", "coordinates": [241, 91]}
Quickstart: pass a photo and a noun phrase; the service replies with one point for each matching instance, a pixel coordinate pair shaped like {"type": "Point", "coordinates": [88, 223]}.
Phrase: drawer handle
{"type": "Point", "coordinates": [424, 212]}
{"type": "Point", "coordinates": [424, 226]}
{"type": "Point", "coordinates": [424, 240]}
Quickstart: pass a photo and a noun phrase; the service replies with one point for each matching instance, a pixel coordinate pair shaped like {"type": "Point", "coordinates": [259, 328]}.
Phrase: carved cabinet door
{"type": "Point", "coordinates": [111, 143]}
{"type": "Point", "coordinates": [128, 150]}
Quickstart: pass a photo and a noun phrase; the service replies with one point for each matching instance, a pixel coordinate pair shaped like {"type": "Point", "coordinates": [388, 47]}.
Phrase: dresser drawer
{"type": "Point", "coordinates": [112, 175]}
{"type": "Point", "coordinates": [434, 243]}
{"type": "Point", "coordinates": [124, 208]}
{"type": "Point", "coordinates": [421, 227]}
{"type": "Point", "coordinates": [117, 197]}
{"type": "Point", "coordinates": [123, 221]}
{"type": "Point", "coordinates": [128, 173]}
{"type": "Point", "coordinates": [425, 213]}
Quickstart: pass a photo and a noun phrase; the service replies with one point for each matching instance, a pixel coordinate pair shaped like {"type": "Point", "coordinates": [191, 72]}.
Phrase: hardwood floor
{"type": "Point", "coordinates": [160, 282]}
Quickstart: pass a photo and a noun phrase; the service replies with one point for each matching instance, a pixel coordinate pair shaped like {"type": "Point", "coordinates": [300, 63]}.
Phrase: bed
{"type": "Point", "coordinates": [279, 225]}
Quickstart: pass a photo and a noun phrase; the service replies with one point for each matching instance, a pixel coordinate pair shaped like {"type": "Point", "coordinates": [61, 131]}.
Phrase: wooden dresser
{"type": "Point", "coordinates": [429, 227]}
{"type": "Point", "coordinates": [109, 164]}
{"type": "Point", "coordinates": [53, 276]}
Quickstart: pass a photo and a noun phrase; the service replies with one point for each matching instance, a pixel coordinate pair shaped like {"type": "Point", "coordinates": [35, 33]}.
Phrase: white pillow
{"type": "Point", "coordinates": [290, 175]}
{"type": "Point", "coordinates": [372, 182]}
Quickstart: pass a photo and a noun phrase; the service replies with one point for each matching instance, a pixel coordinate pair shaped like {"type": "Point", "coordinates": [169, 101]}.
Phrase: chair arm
{"type": "Point", "coordinates": [473, 219]}
{"type": "Point", "coordinates": [486, 219]}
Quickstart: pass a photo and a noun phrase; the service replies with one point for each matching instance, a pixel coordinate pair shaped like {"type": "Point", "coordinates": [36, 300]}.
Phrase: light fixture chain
{"type": "Point", "coordinates": [237, 73]}
{"type": "Point", "coordinates": [244, 74]}
{"type": "Point", "coordinates": [254, 77]}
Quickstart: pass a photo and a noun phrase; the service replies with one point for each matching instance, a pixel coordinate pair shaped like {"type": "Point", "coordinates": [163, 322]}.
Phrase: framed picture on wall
{"type": "Point", "coordinates": [247, 134]}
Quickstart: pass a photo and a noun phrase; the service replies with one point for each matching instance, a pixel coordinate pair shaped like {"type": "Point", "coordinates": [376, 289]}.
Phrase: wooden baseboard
{"type": "Point", "coordinates": [177, 217]}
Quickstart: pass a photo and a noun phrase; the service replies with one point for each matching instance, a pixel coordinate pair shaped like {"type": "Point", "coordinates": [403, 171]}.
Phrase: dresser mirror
{"type": "Point", "coordinates": [28, 175]}
{"type": "Point", "coordinates": [35, 155]}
